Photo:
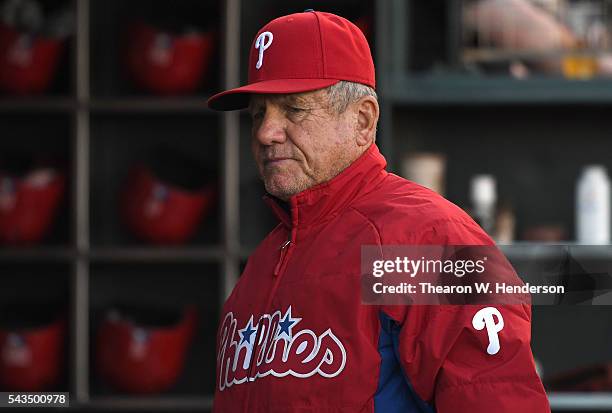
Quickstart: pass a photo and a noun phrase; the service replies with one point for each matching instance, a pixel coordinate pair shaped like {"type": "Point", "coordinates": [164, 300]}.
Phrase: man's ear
{"type": "Point", "coordinates": [367, 118]}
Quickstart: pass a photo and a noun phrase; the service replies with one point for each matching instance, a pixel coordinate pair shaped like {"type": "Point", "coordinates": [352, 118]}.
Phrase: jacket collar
{"type": "Point", "coordinates": [324, 201]}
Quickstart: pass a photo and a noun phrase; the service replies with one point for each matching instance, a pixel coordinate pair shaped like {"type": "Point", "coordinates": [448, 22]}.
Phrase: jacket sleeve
{"type": "Point", "coordinates": [469, 358]}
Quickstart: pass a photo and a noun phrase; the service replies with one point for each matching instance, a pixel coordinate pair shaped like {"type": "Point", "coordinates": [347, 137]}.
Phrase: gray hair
{"type": "Point", "coordinates": [343, 93]}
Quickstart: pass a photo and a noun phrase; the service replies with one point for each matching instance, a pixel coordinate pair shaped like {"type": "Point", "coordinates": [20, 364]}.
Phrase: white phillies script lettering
{"type": "Point", "coordinates": [484, 318]}
{"type": "Point", "coordinates": [263, 41]}
{"type": "Point", "coordinates": [281, 350]}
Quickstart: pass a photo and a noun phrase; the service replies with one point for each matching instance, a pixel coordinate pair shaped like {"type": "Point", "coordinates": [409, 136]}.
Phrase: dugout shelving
{"type": "Point", "coordinates": [101, 125]}
{"type": "Point", "coordinates": [99, 122]}
{"type": "Point", "coordinates": [533, 134]}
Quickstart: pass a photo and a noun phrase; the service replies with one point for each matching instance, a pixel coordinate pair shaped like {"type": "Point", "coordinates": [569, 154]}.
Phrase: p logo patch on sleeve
{"type": "Point", "coordinates": [484, 319]}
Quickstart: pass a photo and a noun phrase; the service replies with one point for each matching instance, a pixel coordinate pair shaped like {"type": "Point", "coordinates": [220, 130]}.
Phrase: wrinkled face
{"type": "Point", "coordinates": [298, 142]}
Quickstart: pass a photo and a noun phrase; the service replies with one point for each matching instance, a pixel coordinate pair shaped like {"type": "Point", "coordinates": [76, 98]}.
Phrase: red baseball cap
{"type": "Point", "coordinates": [299, 53]}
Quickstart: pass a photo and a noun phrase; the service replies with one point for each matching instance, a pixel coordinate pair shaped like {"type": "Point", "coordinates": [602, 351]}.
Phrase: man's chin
{"type": "Point", "coordinates": [281, 188]}
{"type": "Point", "coordinates": [282, 194]}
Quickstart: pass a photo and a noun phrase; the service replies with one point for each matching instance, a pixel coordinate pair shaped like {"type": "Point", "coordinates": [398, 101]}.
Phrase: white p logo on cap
{"type": "Point", "coordinates": [263, 41]}
{"type": "Point", "coordinates": [484, 318]}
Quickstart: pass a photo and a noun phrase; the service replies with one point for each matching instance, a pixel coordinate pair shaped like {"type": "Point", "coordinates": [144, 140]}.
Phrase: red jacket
{"type": "Point", "coordinates": [294, 336]}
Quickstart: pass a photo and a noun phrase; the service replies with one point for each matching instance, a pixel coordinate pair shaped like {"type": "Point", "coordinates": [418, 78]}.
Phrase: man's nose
{"type": "Point", "coordinates": [271, 129]}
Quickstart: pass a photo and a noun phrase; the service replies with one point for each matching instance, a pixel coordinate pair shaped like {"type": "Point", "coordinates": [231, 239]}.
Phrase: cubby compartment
{"type": "Point", "coordinates": [35, 329]}
{"type": "Point", "coordinates": [36, 180]}
{"type": "Point", "coordinates": [153, 297]}
{"type": "Point", "coordinates": [38, 49]}
{"type": "Point", "coordinates": [425, 41]}
{"type": "Point", "coordinates": [536, 168]}
{"type": "Point", "coordinates": [181, 158]}
{"type": "Point", "coordinates": [155, 48]}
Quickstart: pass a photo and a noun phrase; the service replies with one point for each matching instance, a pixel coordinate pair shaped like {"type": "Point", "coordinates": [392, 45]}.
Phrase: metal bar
{"type": "Point", "coordinates": [581, 401]}
{"type": "Point", "coordinates": [385, 77]}
{"type": "Point", "coordinates": [231, 152]}
{"type": "Point", "coordinates": [82, 46]}
{"type": "Point", "coordinates": [81, 179]}
{"type": "Point", "coordinates": [149, 403]}
{"type": "Point", "coordinates": [400, 36]}
{"type": "Point", "coordinates": [454, 35]}
{"type": "Point", "coordinates": [81, 146]}
{"type": "Point", "coordinates": [55, 105]}
{"type": "Point", "coordinates": [80, 281]}
{"type": "Point", "coordinates": [146, 254]}
{"type": "Point", "coordinates": [469, 90]}
{"type": "Point", "coordinates": [80, 330]}
{"type": "Point", "coordinates": [383, 43]}
{"type": "Point", "coordinates": [385, 133]}
{"type": "Point", "coordinates": [57, 254]}
{"type": "Point", "coordinates": [150, 105]}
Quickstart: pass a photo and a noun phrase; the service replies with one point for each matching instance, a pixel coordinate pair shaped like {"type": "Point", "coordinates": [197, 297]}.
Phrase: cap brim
{"type": "Point", "coordinates": [238, 98]}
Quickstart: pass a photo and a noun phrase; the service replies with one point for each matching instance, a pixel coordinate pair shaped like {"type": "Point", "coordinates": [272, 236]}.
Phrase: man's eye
{"type": "Point", "coordinates": [293, 110]}
{"type": "Point", "coordinates": [257, 115]}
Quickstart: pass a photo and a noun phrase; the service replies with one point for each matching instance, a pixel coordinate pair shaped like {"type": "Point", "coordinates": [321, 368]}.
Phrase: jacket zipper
{"type": "Point", "coordinates": [283, 254]}
{"type": "Point", "coordinates": [277, 271]}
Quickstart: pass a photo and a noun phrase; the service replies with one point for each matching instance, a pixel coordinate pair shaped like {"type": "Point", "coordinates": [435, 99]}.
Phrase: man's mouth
{"type": "Point", "coordinates": [274, 161]}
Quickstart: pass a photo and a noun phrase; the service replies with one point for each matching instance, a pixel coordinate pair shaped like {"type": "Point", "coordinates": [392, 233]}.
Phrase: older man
{"type": "Point", "coordinates": [294, 334]}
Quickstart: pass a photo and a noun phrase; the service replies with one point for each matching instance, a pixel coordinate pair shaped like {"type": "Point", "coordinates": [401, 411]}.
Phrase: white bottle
{"type": "Point", "coordinates": [483, 195]}
{"type": "Point", "coordinates": [593, 206]}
